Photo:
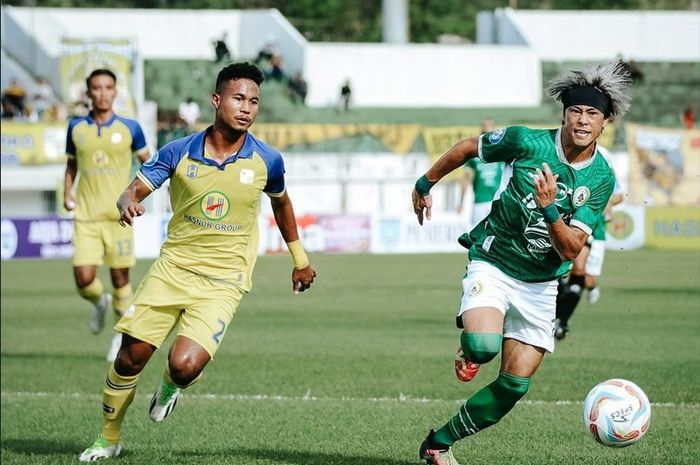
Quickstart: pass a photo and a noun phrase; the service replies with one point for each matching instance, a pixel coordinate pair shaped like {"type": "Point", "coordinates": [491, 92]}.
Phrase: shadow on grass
{"type": "Point", "coordinates": [36, 446]}
{"type": "Point", "coordinates": [302, 458]}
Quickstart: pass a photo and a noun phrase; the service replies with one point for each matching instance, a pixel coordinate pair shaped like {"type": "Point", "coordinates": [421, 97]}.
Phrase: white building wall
{"type": "Point", "coordinates": [668, 36]}
{"type": "Point", "coordinates": [423, 75]}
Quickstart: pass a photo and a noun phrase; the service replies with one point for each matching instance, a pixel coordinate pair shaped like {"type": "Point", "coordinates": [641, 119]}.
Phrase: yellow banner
{"type": "Point", "coordinates": [675, 228]}
{"type": "Point", "coordinates": [398, 138]}
{"type": "Point", "coordinates": [32, 143]}
{"type": "Point", "coordinates": [82, 56]}
{"type": "Point", "coordinates": [664, 165]}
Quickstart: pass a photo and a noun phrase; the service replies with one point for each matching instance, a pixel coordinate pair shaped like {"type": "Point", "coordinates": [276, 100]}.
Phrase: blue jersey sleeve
{"type": "Point", "coordinates": [275, 175]}
{"type": "Point", "coordinates": [160, 167]}
{"type": "Point", "coordinates": [138, 139]}
{"type": "Point", "coordinates": [70, 145]}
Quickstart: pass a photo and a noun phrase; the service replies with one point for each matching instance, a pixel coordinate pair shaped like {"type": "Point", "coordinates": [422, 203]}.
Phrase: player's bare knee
{"type": "Point", "coordinates": [481, 347]}
{"type": "Point", "coordinates": [184, 370]}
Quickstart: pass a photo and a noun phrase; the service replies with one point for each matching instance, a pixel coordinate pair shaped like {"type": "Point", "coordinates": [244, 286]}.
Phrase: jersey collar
{"type": "Point", "coordinates": [196, 151]}
{"type": "Point", "coordinates": [107, 123]}
{"type": "Point", "coordinates": [562, 155]}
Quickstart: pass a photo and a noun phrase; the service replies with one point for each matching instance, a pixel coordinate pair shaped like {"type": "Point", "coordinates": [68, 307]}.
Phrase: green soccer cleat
{"type": "Point", "coordinates": [163, 401]}
{"type": "Point", "coordinates": [99, 450]}
{"type": "Point", "coordinates": [436, 454]}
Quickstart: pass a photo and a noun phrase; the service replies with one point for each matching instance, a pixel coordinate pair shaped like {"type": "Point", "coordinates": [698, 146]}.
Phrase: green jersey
{"type": "Point", "coordinates": [514, 236]}
{"type": "Point", "coordinates": [487, 177]}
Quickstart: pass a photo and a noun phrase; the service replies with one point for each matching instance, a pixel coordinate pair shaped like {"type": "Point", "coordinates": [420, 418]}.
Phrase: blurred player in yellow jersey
{"type": "Point", "coordinates": [100, 149]}
{"type": "Point", "coordinates": [217, 177]}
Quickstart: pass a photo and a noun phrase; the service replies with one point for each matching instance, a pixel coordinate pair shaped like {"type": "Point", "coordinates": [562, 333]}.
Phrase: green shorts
{"type": "Point", "coordinates": [170, 296]}
{"type": "Point", "coordinates": [98, 242]}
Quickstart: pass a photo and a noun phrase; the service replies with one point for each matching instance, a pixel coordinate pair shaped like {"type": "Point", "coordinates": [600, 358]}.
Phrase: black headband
{"type": "Point", "coordinates": [589, 96]}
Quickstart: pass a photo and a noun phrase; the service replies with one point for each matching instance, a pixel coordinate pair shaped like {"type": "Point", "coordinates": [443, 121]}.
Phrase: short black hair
{"type": "Point", "coordinates": [100, 72]}
{"type": "Point", "coordinates": [238, 71]}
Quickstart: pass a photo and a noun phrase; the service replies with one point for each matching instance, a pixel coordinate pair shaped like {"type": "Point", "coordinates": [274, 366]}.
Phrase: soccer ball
{"type": "Point", "coordinates": [617, 412]}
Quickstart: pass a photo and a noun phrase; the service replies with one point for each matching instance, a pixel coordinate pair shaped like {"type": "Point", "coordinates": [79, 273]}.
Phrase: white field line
{"type": "Point", "coordinates": [401, 398]}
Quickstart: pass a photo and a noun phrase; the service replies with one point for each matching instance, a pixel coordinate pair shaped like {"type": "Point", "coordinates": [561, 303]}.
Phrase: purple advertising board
{"type": "Point", "coordinates": [47, 237]}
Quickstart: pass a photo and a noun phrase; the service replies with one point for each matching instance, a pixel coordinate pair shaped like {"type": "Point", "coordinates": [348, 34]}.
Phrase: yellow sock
{"type": "Point", "coordinates": [92, 291]}
{"type": "Point", "coordinates": [117, 396]}
{"type": "Point", "coordinates": [168, 380]}
{"type": "Point", "coordinates": [121, 301]}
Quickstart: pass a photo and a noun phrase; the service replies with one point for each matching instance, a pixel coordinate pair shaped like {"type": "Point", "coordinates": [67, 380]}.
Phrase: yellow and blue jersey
{"type": "Point", "coordinates": [104, 154]}
{"type": "Point", "coordinates": [214, 228]}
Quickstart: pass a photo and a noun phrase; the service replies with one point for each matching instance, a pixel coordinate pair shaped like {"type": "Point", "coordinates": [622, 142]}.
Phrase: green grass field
{"type": "Point", "coordinates": [356, 371]}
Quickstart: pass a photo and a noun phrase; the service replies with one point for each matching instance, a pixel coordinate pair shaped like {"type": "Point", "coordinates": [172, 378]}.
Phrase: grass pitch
{"type": "Point", "coordinates": [355, 371]}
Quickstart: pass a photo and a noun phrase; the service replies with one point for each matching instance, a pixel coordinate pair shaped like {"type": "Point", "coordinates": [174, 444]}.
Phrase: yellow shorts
{"type": "Point", "coordinates": [168, 295]}
{"type": "Point", "coordinates": [98, 242]}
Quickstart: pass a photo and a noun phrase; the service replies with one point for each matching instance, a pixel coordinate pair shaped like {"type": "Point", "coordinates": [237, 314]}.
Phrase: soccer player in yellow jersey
{"type": "Point", "coordinates": [216, 179]}
{"type": "Point", "coordinates": [100, 149]}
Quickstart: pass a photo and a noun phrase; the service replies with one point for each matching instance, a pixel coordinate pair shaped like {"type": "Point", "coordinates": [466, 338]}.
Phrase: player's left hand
{"type": "Point", "coordinates": [302, 279]}
{"type": "Point", "coordinates": [421, 203]}
{"type": "Point", "coordinates": [545, 186]}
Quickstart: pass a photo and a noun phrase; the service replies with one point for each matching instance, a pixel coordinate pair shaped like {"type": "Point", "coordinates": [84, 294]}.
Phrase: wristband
{"type": "Point", "coordinates": [299, 257]}
{"type": "Point", "coordinates": [550, 213]}
{"type": "Point", "coordinates": [423, 186]}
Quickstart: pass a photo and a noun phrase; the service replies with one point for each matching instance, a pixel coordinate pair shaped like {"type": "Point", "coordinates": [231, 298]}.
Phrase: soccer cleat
{"type": "Point", "coordinates": [114, 347]}
{"type": "Point", "coordinates": [97, 317]}
{"type": "Point", "coordinates": [100, 449]}
{"type": "Point", "coordinates": [163, 401]}
{"type": "Point", "coordinates": [561, 330]}
{"type": "Point", "coordinates": [594, 295]}
{"type": "Point", "coordinates": [436, 454]}
{"type": "Point", "coordinates": [464, 369]}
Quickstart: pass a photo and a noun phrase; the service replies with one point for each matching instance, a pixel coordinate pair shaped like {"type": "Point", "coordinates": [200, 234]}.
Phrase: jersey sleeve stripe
{"type": "Point", "coordinates": [276, 194]}
{"type": "Point", "coordinates": [479, 150]}
{"type": "Point", "coordinates": [145, 180]}
{"type": "Point", "coordinates": [582, 226]}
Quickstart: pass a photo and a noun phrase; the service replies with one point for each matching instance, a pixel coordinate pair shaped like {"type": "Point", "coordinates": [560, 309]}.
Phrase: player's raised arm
{"type": "Point", "coordinates": [451, 160]}
{"type": "Point", "coordinates": [566, 240]}
{"type": "Point", "coordinates": [303, 273]}
{"type": "Point", "coordinates": [129, 202]}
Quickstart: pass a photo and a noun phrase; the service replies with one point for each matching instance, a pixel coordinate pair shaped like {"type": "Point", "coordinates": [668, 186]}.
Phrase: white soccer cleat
{"type": "Point", "coordinates": [100, 449]}
{"type": "Point", "coordinates": [163, 402]}
{"type": "Point", "coordinates": [594, 295]}
{"type": "Point", "coordinates": [114, 347]}
{"type": "Point", "coordinates": [97, 317]}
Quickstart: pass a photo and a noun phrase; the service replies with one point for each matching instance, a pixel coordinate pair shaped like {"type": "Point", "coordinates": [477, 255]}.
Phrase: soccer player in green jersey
{"type": "Point", "coordinates": [484, 179]}
{"type": "Point", "coordinates": [217, 177]}
{"type": "Point", "coordinates": [556, 185]}
{"type": "Point", "coordinates": [100, 149]}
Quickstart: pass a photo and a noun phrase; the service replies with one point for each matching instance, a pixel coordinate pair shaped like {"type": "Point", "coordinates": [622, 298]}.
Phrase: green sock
{"type": "Point", "coordinates": [485, 408]}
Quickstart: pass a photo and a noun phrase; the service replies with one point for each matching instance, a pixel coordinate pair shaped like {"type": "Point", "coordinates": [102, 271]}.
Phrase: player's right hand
{"type": "Point", "coordinates": [421, 203]}
{"type": "Point", "coordinates": [69, 202]}
{"type": "Point", "coordinates": [129, 212]}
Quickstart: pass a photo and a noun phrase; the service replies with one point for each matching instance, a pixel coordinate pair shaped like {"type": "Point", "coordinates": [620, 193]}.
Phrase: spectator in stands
{"type": "Point", "coordinates": [632, 69]}
{"type": "Point", "coordinates": [297, 89]}
{"type": "Point", "coordinates": [273, 70]}
{"type": "Point", "coordinates": [267, 52]}
{"type": "Point", "coordinates": [9, 111]}
{"type": "Point", "coordinates": [345, 96]}
{"type": "Point", "coordinates": [221, 49]}
{"type": "Point", "coordinates": [42, 97]}
{"type": "Point", "coordinates": [189, 112]}
{"type": "Point", "coordinates": [15, 94]}
{"type": "Point", "coordinates": [689, 118]}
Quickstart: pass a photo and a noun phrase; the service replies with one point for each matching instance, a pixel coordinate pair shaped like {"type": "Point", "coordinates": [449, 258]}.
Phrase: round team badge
{"type": "Point", "coordinates": [496, 136]}
{"type": "Point", "coordinates": [152, 159]}
{"type": "Point", "coordinates": [100, 158]}
{"type": "Point", "coordinates": [214, 205]}
{"type": "Point", "coordinates": [475, 289]}
{"type": "Point", "coordinates": [581, 196]}
{"type": "Point", "coordinates": [116, 138]}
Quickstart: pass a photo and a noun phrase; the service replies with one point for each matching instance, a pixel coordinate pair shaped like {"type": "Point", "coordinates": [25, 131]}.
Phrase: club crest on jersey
{"type": "Point", "coordinates": [496, 136]}
{"type": "Point", "coordinates": [100, 158]}
{"type": "Point", "coordinates": [247, 176]}
{"type": "Point", "coordinates": [214, 205]}
{"type": "Point", "coordinates": [581, 196]}
{"type": "Point", "coordinates": [116, 138]}
{"type": "Point", "coordinates": [191, 171]}
{"type": "Point", "coordinates": [152, 160]}
{"type": "Point", "coordinates": [475, 289]}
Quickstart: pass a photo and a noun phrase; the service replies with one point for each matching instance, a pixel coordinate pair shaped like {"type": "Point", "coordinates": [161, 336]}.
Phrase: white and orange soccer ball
{"type": "Point", "coordinates": [617, 413]}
